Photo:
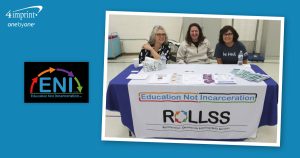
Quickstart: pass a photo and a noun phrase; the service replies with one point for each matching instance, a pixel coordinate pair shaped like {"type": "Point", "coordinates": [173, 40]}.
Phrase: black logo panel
{"type": "Point", "coordinates": [56, 82]}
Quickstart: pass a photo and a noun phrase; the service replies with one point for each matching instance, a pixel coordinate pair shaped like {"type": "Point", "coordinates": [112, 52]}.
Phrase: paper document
{"type": "Point", "coordinates": [224, 79]}
{"type": "Point", "coordinates": [160, 78]}
{"type": "Point", "coordinates": [139, 76]}
{"type": "Point", "coordinates": [192, 79]}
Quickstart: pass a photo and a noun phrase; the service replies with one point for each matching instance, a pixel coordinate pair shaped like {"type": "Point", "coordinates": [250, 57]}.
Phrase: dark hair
{"type": "Point", "coordinates": [226, 29]}
{"type": "Point", "coordinates": [188, 37]}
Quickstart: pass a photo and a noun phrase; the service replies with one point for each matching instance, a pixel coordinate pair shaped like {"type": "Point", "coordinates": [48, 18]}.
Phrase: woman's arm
{"type": "Point", "coordinates": [155, 55]}
{"type": "Point", "coordinates": [219, 61]}
{"type": "Point", "coordinates": [181, 54]}
{"type": "Point", "coordinates": [210, 51]}
{"type": "Point", "coordinates": [218, 54]}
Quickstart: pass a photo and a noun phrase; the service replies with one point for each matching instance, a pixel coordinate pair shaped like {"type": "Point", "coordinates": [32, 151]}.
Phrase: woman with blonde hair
{"type": "Point", "coordinates": [157, 44]}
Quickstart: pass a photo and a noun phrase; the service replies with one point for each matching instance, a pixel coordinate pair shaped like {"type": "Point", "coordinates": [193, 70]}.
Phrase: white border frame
{"type": "Point", "coordinates": [104, 138]}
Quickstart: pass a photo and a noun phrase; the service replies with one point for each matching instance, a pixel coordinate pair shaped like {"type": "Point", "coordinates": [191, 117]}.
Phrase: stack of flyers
{"type": "Point", "coordinates": [224, 79]}
{"type": "Point", "coordinates": [250, 76]}
{"type": "Point", "coordinates": [139, 76]}
{"type": "Point", "coordinates": [192, 79]}
{"type": "Point", "coordinates": [160, 78]}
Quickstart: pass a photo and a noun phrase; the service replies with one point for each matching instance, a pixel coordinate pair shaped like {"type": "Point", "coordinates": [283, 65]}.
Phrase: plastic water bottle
{"type": "Point", "coordinates": [240, 58]}
{"type": "Point", "coordinates": [163, 59]}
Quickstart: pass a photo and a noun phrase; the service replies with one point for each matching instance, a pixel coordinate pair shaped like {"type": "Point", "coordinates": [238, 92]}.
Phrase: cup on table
{"type": "Point", "coordinates": [136, 62]}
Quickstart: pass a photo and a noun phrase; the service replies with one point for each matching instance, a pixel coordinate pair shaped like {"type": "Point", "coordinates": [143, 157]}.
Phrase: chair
{"type": "Point", "coordinates": [174, 45]}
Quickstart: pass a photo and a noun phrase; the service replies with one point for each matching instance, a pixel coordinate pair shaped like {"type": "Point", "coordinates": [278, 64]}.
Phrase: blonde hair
{"type": "Point", "coordinates": [153, 34]}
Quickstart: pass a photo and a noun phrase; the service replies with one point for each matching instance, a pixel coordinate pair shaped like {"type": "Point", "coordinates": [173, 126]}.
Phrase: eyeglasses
{"type": "Point", "coordinates": [228, 34]}
{"type": "Point", "coordinates": [160, 34]}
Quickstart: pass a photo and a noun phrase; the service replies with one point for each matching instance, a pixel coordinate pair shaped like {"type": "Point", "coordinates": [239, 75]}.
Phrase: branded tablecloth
{"type": "Point", "coordinates": [193, 118]}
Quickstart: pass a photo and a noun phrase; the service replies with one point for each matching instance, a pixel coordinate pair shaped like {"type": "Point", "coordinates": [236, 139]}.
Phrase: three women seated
{"type": "Point", "coordinates": [196, 48]}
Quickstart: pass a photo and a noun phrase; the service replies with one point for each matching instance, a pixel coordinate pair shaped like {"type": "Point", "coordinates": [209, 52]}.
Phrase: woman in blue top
{"type": "Point", "coordinates": [228, 48]}
{"type": "Point", "coordinates": [157, 44]}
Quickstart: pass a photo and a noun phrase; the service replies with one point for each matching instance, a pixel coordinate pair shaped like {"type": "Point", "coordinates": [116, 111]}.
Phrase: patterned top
{"type": "Point", "coordinates": [165, 48]}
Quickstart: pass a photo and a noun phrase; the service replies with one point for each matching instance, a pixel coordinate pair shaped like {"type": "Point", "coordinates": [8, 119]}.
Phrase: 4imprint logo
{"type": "Point", "coordinates": [23, 17]}
{"type": "Point", "coordinates": [62, 82]}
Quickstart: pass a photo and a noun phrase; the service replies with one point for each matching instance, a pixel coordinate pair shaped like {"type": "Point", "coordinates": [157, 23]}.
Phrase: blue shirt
{"type": "Point", "coordinates": [229, 55]}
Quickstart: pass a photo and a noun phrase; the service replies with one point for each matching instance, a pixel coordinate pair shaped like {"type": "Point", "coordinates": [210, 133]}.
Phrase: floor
{"type": "Point", "coordinates": [115, 129]}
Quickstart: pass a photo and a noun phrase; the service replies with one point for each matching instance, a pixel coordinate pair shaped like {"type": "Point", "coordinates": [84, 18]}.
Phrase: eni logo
{"type": "Point", "coordinates": [54, 85]}
{"type": "Point", "coordinates": [56, 82]}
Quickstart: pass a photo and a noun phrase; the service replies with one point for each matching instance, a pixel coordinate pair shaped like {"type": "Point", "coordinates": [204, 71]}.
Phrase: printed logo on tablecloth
{"type": "Point", "coordinates": [56, 82]}
{"type": "Point", "coordinates": [196, 111]}
{"type": "Point", "coordinates": [195, 121]}
{"type": "Point", "coordinates": [198, 117]}
{"type": "Point", "coordinates": [197, 97]}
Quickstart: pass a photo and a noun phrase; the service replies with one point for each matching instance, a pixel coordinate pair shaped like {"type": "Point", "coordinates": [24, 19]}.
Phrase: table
{"type": "Point", "coordinates": [118, 98]}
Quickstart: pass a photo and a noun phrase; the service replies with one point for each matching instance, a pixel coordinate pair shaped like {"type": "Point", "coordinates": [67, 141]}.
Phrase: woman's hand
{"type": "Point", "coordinates": [219, 61]}
{"type": "Point", "coordinates": [153, 52]}
{"type": "Point", "coordinates": [147, 46]}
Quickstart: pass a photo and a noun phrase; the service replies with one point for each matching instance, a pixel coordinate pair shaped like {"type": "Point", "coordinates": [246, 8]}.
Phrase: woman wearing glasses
{"type": "Point", "coordinates": [229, 47]}
{"type": "Point", "coordinates": [157, 44]}
{"type": "Point", "coordinates": [196, 48]}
